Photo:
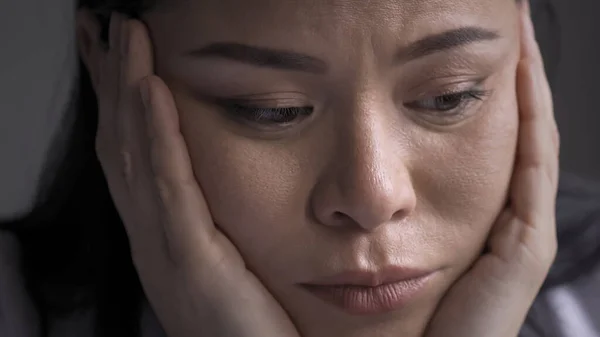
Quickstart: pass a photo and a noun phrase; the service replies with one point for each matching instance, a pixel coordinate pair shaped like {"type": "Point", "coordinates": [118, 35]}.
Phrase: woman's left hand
{"type": "Point", "coordinates": [493, 298]}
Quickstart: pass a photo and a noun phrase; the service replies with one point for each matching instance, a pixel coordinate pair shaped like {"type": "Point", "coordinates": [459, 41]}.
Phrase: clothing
{"type": "Point", "coordinates": [569, 303]}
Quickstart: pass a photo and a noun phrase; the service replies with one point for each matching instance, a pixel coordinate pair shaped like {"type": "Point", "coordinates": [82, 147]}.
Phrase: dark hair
{"type": "Point", "coordinates": [75, 250]}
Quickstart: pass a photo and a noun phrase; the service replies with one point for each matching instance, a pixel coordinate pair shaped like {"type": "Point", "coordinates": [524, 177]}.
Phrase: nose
{"type": "Point", "coordinates": [367, 183]}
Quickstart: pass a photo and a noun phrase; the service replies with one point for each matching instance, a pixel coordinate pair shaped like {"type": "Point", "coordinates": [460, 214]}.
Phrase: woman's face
{"type": "Point", "coordinates": [337, 136]}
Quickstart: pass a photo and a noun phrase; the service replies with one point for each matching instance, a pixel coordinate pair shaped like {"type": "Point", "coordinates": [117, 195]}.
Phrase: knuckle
{"type": "Point", "coordinates": [532, 161]}
{"type": "Point", "coordinates": [542, 260]}
{"type": "Point", "coordinates": [548, 251]}
{"type": "Point", "coordinates": [549, 254]}
{"type": "Point", "coordinates": [107, 156]}
{"type": "Point", "coordinates": [166, 193]}
{"type": "Point", "coordinates": [174, 255]}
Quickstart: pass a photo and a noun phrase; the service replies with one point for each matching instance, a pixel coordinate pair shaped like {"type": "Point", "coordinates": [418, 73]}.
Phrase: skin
{"type": "Point", "coordinates": [223, 214]}
{"type": "Point", "coordinates": [365, 182]}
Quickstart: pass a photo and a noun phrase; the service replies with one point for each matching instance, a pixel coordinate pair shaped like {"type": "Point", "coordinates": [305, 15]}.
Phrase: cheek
{"type": "Point", "coordinates": [258, 190]}
{"type": "Point", "coordinates": [253, 188]}
{"type": "Point", "coordinates": [462, 177]}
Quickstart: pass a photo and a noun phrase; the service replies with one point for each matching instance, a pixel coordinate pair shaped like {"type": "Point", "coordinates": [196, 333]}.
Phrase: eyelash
{"type": "Point", "coordinates": [459, 102]}
{"type": "Point", "coordinates": [286, 115]}
{"type": "Point", "coordinates": [267, 116]}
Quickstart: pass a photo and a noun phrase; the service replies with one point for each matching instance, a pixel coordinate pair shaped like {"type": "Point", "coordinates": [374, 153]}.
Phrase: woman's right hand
{"type": "Point", "coordinates": [196, 281]}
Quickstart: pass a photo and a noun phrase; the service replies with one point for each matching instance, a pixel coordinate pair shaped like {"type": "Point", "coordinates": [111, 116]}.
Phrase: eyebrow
{"type": "Point", "coordinates": [294, 61]}
{"type": "Point", "coordinates": [263, 57]}
{"type": "Point", "coordinates": [446, 40]}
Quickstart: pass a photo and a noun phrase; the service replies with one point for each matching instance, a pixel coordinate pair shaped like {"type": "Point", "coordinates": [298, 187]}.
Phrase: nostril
{"type": "Point", "coordinates": [342, 219]}
{"type": "Point", "coordinates": [339, 216]}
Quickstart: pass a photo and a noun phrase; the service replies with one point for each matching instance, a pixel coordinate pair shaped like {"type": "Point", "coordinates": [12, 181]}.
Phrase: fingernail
{"type": "Point", "coordinates": [145, 93]}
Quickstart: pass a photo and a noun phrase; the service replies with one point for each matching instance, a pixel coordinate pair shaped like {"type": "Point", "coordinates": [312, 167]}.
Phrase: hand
{"type": "Point", "coordinates": [194, 278]}
{"type": "Point", "coordinates": [492, 299]}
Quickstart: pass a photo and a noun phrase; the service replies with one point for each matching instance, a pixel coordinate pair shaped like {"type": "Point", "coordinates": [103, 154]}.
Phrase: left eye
{"type": "Point", "coordinates": [447, 102]}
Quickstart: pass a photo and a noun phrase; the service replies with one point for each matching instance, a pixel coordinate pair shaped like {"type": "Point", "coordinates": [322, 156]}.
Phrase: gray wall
{"type": "Point", "coordinates": [576, 86]}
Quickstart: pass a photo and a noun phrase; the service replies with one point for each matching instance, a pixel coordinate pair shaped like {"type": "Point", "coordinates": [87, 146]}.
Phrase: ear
{"type": "Point", "coordinates": [91, 48]}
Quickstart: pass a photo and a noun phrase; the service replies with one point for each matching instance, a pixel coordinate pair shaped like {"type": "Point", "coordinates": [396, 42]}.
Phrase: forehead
{"type": "Point", "coordinates": [320, 22]}
{"type": "Point", "coordinates": [324, 11]}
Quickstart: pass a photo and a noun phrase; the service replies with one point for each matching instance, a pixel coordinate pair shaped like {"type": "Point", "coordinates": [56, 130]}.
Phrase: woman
{"type": "Point", "coordinates": [331, 168]}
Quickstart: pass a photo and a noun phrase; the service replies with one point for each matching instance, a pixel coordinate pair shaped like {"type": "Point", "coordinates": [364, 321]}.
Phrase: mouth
{"type": "Point", "coordinates": [370, 293]}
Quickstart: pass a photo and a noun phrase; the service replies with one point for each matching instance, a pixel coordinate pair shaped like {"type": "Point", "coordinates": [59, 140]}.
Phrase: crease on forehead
{"type": "Point", "coordinates": [398, 10]}
{"type": "Point", "coordinates": [274, 23]}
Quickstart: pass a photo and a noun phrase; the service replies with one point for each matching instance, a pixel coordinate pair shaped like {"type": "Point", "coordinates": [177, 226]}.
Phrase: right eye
{"type": "Point", "coordinates": [268, 116]}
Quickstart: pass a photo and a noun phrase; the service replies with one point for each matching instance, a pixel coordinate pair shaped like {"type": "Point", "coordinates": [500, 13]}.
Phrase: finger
{"type": "Point", "coordinates": [117, 104]}
{"type": "Point", "coordinates": [188, 224]}
{"type": "Point", "coordinates": [533, 190]}
{"type": "Point", "coordinates": [108, 82]}
{"type": "Point", "coordinates": [136, 59]}
{"type": "Point", "coordinates": [538, 87]}
{"type": "Point", "coordinates": [535, 179]}
{"type": "Point", "coordinates": [536, 149]}
{"type": "Point", "coordinates": [117, 145]}
{"type": "Point", "coordinates": [529, 45]}
{"type": "Point", "coordinates": [530, 51]}
{"type": "Point", "coordinates": [532, 54]}
{"type": "Point", "coordinates": [107, 142]}
{"type": "Point", "coordinates": [136, 63]}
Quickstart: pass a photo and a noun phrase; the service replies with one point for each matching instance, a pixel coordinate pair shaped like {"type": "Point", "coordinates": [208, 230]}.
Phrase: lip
{"type": "Point", "coordinates": [369, 293]}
